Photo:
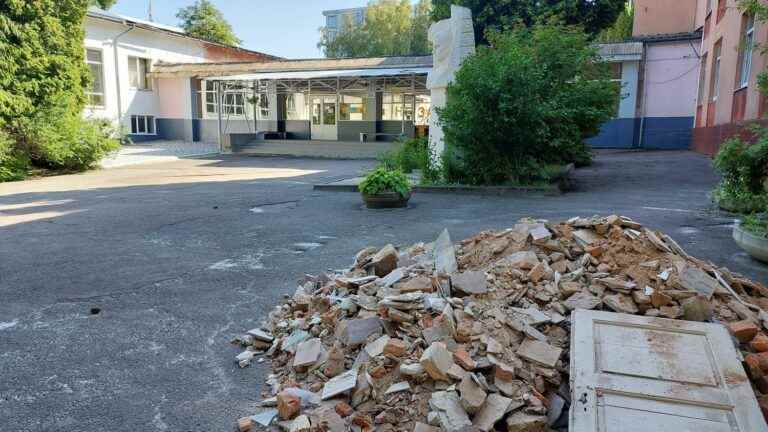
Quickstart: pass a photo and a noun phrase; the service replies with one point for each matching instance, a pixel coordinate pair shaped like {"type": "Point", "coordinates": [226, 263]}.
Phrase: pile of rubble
{"type": "Point", "coordinates": [476, 336]}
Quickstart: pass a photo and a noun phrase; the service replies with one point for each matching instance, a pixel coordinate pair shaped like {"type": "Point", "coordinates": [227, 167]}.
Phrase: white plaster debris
{"type": "Point", "coordinates": [9, 324]}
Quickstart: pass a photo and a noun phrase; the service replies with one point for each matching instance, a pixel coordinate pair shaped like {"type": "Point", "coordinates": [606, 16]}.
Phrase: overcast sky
{"type": "Point", "coordinates": [286, 28]}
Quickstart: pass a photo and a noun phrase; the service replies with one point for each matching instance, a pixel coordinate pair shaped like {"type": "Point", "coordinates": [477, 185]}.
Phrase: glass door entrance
{"type": "Point", "coordinates": [324, 122]}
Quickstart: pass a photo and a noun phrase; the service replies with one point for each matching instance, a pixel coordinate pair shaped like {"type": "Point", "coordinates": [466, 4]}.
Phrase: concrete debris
{"type": "Point", "coordinates": [471, 282]}
{"type": "Point", "coordinates": [540, 353]}
{"type": "Point", "coordinates": [475, 335]}
{"type": "Point", "coordinates": [445, 254]}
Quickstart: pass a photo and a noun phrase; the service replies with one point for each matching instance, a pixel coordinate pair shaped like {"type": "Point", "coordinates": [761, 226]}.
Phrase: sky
{"type": "Point", "coordinates": [286, 28]}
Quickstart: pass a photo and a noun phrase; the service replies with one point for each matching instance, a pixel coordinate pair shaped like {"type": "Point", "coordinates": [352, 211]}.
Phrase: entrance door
{"type": "Point", "coordinates": [324, 118]}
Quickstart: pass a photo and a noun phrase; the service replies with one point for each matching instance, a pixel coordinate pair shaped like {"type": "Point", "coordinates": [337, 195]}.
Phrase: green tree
{"type": "Point", "coordinates": [203, 20]}
{"type": "Point", "coordinates": [592, 15]}
{"type": "Point", "coordinates": [104, 4]}
{"type": "Point", "coordinates": [529, 99]}
{"type": "Point", "coordinates": [392, 27]}
{"type": "Point", "coordinates": [42, 79]}
{"type": "Point", "coordinates": [621, 30]}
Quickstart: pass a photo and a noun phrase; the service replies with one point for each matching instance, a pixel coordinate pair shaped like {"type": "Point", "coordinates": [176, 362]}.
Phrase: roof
{"type": "Point", "coordinates": [669, 37]}
{"type": "Point", "coordinates": [171, 70]}
{"type": "Point", "coordinates": [340, 73]}
{"type": "Point", "coordinates": [94, 12]}
{"type": "Point", "coordinates": [621, 51]}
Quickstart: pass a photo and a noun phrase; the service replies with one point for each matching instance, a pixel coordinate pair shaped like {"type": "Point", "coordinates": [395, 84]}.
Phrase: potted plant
{"type": "Point", "coordinates": [385, 188]}
{"type": "Point", "coordinates": [751, 234]}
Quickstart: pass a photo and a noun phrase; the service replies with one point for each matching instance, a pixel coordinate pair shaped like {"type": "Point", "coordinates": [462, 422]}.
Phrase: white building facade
{"type": "Point", "coordinates": [121, 53]}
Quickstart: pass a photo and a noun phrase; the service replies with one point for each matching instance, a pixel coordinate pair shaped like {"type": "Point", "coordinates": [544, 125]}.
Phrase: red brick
{"type": "Point", "coordinates": [396, 347]}
{"type": "Point", "coordinates": [343, 409]}
{"type": "Point", "coordinates": [463, 359]}
{"type": "Point", "coordinates": [288, 406]}
{"type": "Point", "coordinates": [752, 366]}
{"type": "Point", "coordinates": [759, 343]}
{"type": "Point", "coordinates": [744, 331]}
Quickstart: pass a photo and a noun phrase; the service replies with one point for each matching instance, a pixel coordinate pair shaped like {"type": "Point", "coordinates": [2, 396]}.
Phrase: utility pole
{"type": "Point", "coordinates": [151, 19]}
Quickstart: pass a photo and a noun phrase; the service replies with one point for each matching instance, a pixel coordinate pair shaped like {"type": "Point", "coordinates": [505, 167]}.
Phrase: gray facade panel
{"type": "Point", "coordinates": [350, 130]}
{"type": "Point", "coordinates": [209, 128]}
{"type": "Point", "coordinates": [175, 129]}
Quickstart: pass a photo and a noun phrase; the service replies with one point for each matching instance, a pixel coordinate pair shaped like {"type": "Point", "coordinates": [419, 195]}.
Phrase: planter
{"type": "Point", "coordinates": [385, 200]}
{"type": "Point", "coordinates": [755, 246]}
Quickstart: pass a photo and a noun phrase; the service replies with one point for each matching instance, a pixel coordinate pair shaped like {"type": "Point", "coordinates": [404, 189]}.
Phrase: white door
{"type": "Point", "coordinates": [638, 374]}
{"type": "Point", "coordinates": [324, 118]}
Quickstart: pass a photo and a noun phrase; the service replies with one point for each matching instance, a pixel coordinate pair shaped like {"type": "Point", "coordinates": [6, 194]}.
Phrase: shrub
{"type": "Point", "coordinates": [70, 142]}
{"type": "Point", "coordinates": [384, 179]}
{"type": "Point", "coordinates": [744, 170]}
{"type": "Point", "coordinates": [530, 99]}
{"type": "Point", "coordinates": [13, 163]}
{"type": "Point", "coordinates": [412, 154]}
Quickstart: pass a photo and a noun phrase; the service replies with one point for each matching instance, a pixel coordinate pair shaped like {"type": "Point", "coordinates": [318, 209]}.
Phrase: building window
{"type": "Point", "coordinates": [232, 103]}
{"type": "Point", "coordinates": [332, 21]}
{"type": "Point", "coordinates": [702, 79]}
{"type": "Point", "coordinates": [423, 108]}
{"type": "Point", "coordinates": [397, 106]}
{"type": "Point", "coordinates": [745, 51]}
{"type": "Point", "coordinates": [721, 6]}
{"type": "Point", "coordinates": [295, 107]}
{"type": "Point", "coordinates": [142, 125]}
{"type": "Point", "coordinates": [209, 97]}
{"type": "Point", "coordinates": [263, 105]}
{"type": "Point", "coordinates": [352, 108]}
{"type": "Point", "coordinates": [714, 84]}
{"type": "Point", "coordinates": [138, 73]}
{"type": "Point", "coordinates": [95, 92]}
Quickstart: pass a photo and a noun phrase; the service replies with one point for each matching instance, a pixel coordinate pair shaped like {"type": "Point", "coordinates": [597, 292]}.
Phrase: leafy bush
{"type": "Point", "coordinates": [13, 164]}
{"type": "Point", "coordinates": [530, 99]}
{"type": "Point", "coordinates": [744, 170]}
{"type": "Point", "coordinates": [412, 154]}
{"type": "Point", "coordinates": [384, 179]}
{"type": "Point", "coordinates": [43, 75]}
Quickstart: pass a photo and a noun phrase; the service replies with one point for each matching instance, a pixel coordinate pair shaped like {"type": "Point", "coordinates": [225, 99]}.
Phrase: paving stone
{"type": "Point", "coordinates": [307, 353]}
{"type": "Point", "coordinates": [451, 415]}
{"type": "Point", "coordinates": [355, 332]}
{"type": "Point", "coordinates": [494, 409]}
{"type": "Point", "coordinates": [340, 384]}
{"type": "Point", "coordinates": [540, 353]}
{"type": "Point", "coordinates": [437, 360]}
{"type": "Point", "coordinates": [471, 282]}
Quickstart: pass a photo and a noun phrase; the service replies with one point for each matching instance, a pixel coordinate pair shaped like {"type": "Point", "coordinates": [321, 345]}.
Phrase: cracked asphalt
{"type": "Point", "coordinates": [120, 289]}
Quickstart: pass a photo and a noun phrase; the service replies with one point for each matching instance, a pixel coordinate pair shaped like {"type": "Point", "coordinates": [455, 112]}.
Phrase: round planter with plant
{"type": "Point", "coordinates": [385, 188]}
{"type": "Point", "coordinates": [751, 234]}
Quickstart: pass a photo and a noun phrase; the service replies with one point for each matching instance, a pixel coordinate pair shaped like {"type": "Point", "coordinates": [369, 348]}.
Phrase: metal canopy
{"type": "Point", "coordinates": [340, 73]}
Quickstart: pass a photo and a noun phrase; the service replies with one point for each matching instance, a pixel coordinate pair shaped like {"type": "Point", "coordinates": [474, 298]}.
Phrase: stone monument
{"type": "Point", "coordinates": [453, 40]}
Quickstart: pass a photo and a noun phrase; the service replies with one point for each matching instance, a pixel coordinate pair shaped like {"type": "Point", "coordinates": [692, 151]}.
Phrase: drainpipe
{"type": "Point", "coordinates": [117, 72]}
{"type": "Point", "coordinates": [644, 62]}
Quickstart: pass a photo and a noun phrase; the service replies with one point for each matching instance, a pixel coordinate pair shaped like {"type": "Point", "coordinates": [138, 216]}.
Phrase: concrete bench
{"type": "Point", "coordinates": [364, 135]}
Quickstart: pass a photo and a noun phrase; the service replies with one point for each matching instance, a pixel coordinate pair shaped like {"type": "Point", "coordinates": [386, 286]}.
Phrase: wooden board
{"type": "Point", "coordinates": [631, 373]}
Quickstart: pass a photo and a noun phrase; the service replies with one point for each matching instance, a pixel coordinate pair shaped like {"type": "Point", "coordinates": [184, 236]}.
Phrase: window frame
{"type": "Point", "coordinates": [714, 83]}
{"type": "Point", "coordinates": [701, 100]}
{"type": "Point", "coordinates": [136, 71]}
{"type": "Point", "coordinates": [746, 52]}
{"type": "Point", "coordinates": [145, 117]}
{"type": "Point", "coordinates": [89, 93]}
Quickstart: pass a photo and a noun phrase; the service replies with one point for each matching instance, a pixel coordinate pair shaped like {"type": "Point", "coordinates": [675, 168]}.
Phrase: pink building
{"type": "Point", "coordinates": [728, 95]}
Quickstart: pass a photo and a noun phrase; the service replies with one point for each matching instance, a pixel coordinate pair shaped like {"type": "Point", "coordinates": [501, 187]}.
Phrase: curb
{"type": "Point", "coordinates": [553, 189]}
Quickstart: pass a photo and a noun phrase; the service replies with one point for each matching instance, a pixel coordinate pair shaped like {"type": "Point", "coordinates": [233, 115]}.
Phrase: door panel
{"type": "Point", "coordinates": [633, 373]}
{"type": "Point", "coordinates": [324, 118]}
